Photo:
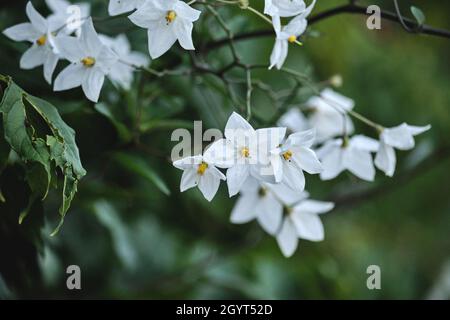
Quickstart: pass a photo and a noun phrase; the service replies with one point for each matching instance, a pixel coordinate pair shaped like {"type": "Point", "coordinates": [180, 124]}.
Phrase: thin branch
{"type": "Point", "coordinates": [348, 8]}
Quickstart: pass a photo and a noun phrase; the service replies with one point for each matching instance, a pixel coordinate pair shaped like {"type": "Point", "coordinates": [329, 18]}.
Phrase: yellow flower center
{"type": "Point", "coordinates": [245, 152]}
{"type": "Point", "coordinates": [88, 62]}
{"type": "Point", "coordinates": [202, 168]}
{"type": "Point", "coordinates": [292, 39]}
{"type": "Point", "coordinates": [170, 16]}
{"type": "Point", "coordinates": [287, 155]}
{"type": "Point", "coordinates": [42, 40]}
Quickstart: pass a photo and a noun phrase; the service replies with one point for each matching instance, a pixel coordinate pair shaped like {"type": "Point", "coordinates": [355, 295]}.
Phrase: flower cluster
{"type": "Point", "coordinates": [91, 57]}
{"type": "Point", "coordinates": [267, 168]}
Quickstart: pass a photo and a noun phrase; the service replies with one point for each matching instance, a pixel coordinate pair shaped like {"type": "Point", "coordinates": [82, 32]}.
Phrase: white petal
{"type": "Point", "coordinates": [236, 177]}
{"type": "Point", "coordinates": [332, 164]}
{"type": "Point", "coordinates": [314, 206]}
{"type": "Point", "coordinates": [50, 65]}
{"type": "Point", "coordinates": [216, 173]}
{"type": "Point", "coordinates": [304, 138]}
{"type": "Point", "coordinates": [209, 184]}
{"type": "Point", "coordinates": [360, 163]}
{"type": "Point", "coordinates": [267, 139]}
{"type": "Point", "coordinates": [93, 83]}
{"type": "Point", "coordinates": [385, 159]}
{"type": "Point", "coordinates": [269, 213]}
{"type": "Point", "coordinates": [57, 6]}
{"type": "Point", "coordinates": [287, 238]}
{"type": "Point", "coordinates": [415, 130]}
{"type": "Point", "coordinates": [188, 162]}
{"type": "Point", "coordinates": [138, 59]}
{"type": "Point", "coordinates": [160, 40]}
{"type": "Point", "coordinates": [236, 127]}
{"type": "Point", "coordinates": [117, 7]}
{"type": "Point", "coordinates": [294, 120]}
{"type": "Point", "coordinates": [183, 32]}
{"type": "Point", "coordinates": [33, 57]}
{"type": "Point", "coordinates": [148, 15]}
{"type": "Point", "coordinates": [277, 164]}
{"type": "Point", "coordinates": [244, 209]}
{"type": "Point", "coordinates": [22, 32]}
{"type": "Point", "coordinates": [364, 143]}
{"type": "Point", "coordinates": [89, 40]}
{"type": "Point", "coordinates": [399, 137]}
{"type": "Point", "coordinates": [283, 54]}
{"type": "Point", "coordinates": [287, 195]}
{"type": "Point", "coordinates": [308, 225]}
{"type": "Point", "coordinates": [337, 100]}
{"type": "Point", "coordinates": [296, 26]}
{"type": "Point", "coordinates": [293, 176]}
{"type": "Point", "coordinates": [307, 160]}
{"type": "Point", "coordinates": [71, 77]}
{"type": "Point", "coordinates": [276, 53]}
{"type": "Point", "coordinates": [38, 21]}
{"type": "Point", "coordinates": [69, 48]}
{"type": "Point", "coordinates": [221, 153]}
{"type": "Point", "coordinates": [189, 179]}
{"type": "Point", "coordinates": [184, 11]}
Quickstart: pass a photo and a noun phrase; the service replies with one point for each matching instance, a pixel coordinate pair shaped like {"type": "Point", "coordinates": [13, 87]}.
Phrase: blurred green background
{"type": "Point", "coordinates": [132, 240]}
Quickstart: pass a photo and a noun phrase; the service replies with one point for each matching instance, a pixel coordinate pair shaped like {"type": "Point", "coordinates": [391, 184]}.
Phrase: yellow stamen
{"type": "Point", "coordinates": [88, 62]}
{"type": "Point", "coordinates": [202, 168]}
{"type": "Point", "coordinates": [170, 16]}
{"type": "Point", "coordinates": [245, 152]}
{"type": "Point", "coordinates": [292, 39]}
{"type": "Point", "coordinates": [42, 40]}
{"type": "Point", "coordinates": [287, 155]}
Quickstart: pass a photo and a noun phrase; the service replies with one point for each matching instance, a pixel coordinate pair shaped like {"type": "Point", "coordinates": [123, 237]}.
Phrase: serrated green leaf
{"type": "Point", "coordinates": [41, 154]}
{"type": "Point", "coordinates": [138, 166]}
{"type": "Point", "coordinates": [418, 14]}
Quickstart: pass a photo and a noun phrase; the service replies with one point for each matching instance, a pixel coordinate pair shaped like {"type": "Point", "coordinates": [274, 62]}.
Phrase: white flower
{"type": "Point", "coordinates": [245, 151]}
{"type": "Point", "coordinates": [284, 8]}
{"type": "Point", "coordinates": [90, 62]}
{"type": "Point", "coordinates": [38, 33]}
{"type": "Point", "coordinates": [294, 121]}
{"type": "Point", "coordinates": [122, 73]}
{"type": "Point", "coordinates": [67, 16]}
{"type": "Point", "coordinates": [302, 221]}
{"type": "Point", "coordinates": [167, 21]}
{"type": "Point", "coordinates": [265, 203]}
{"type": "Point", "coordinates": [198, 172]}
{"type": "Point", "coordinates": [287, 34]}
{"type": "Point", "coordinates": [328, 114]}
{"type": "Point", "coordinates": [354, 156]}
{"type": "Point", "coordinates": [400, 137]}
{"type": "Point", "coordinates": [292, 157]}
{"type": "Point", "coordinates": [117, 7]}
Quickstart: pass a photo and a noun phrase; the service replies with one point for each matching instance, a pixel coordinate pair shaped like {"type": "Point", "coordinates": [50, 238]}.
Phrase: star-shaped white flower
{"type": "Point", "coordinates": [90, 62]}
{"type": "Point", "coordinates": [401, 138]}
{"type": "Point", "coordinates": [284, 8]}
{"type": "Point", "coordinates": [302, 221]}
{"type": "Point", "coordinates": [38, 32]}
{"type": "Point", "coordinates": [122, 73]}
{"type": "Point", "coordinates": [353, 155]}
{"type": "Point", "coordinates": [167, 21]}
{"type": "Point", "coordinates": [292, 157]}
{"type": "Point", "coordinates": [328, 114]}
{"type": "Point", "coordinates": [67, 17]}
{"type": "Point", "coordinates": [245, 151]}
{"type": "Point", "coordinates": [287, 34]}
{"type": "Point", "coordinates": [117, 7]}
{"type": "Point", "coordinates": [198, 172]}
{"type": "Point", "coordinates": [264, 202]}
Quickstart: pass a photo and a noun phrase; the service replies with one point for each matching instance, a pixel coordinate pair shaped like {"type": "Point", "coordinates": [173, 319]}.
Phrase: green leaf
{"type": "Point", "coordinates": [25, 118]}
{"type": "Point", "coordinates": [138, 166]}
{"type": "Point", "coordinates": [122, 130]}
{"type": "Point", "coordinates": [418, 14]}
